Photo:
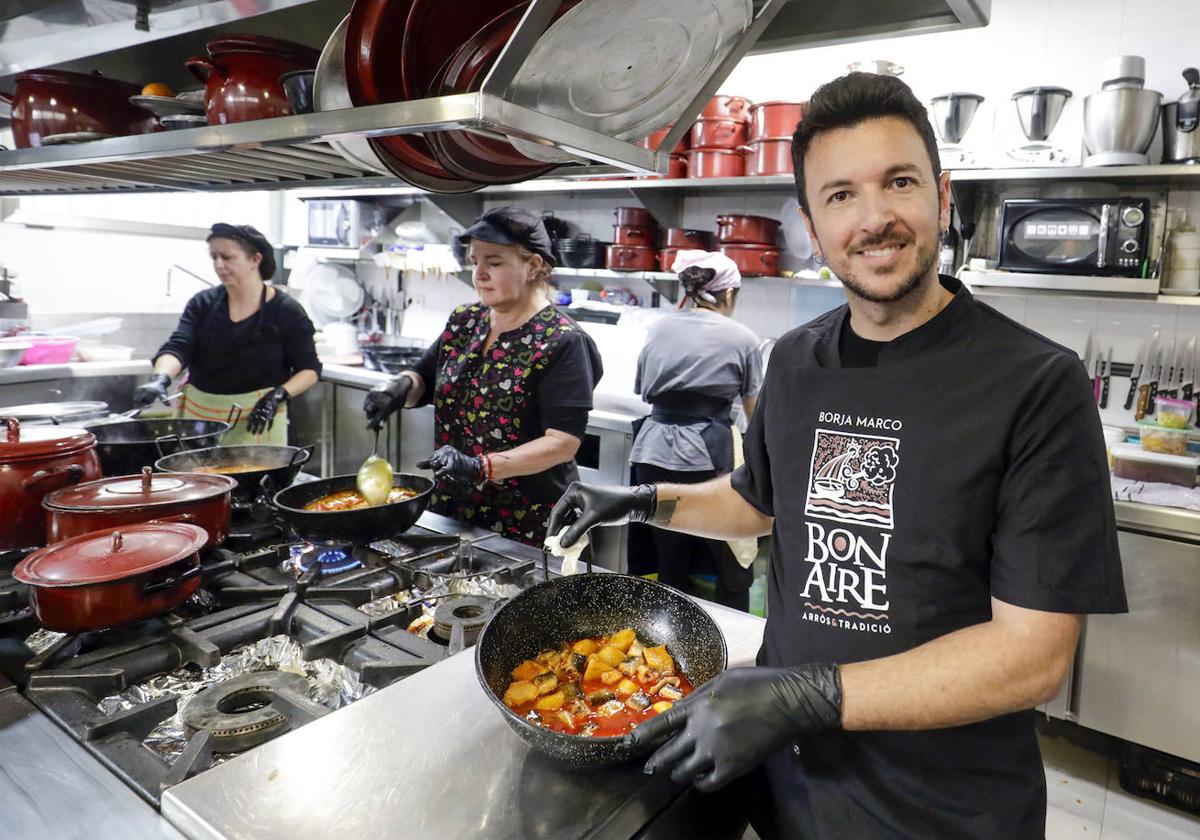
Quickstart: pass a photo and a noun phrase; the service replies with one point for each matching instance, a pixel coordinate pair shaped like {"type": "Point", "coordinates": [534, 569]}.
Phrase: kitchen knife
{"type": "Point", "coordinates": [1173, 364]}
{"type": "Point", "coordinates": [1144, 355]}
{"type": "Point", "coordinates": [1155, 378]}
{"type": "Point", "coordinates": [1105, 375]}
{"type": "Point", "coordinates": [1189, 379]}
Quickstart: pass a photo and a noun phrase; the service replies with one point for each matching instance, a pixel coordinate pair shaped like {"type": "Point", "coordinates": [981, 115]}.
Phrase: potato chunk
{"type": "Point", "coordinates": [551, 702]}
{"type": "Point", "coordinates": [626, 687]}
{"type": "Point", "coordinates": [527, 670]}
{"type": "Point", "coordinates": [522, 691]}
{"type": "Point", "coordinates": [611, 677]}
{"type": "Point", "coordinates": [595, 667]}
{"type": "Point", "coordinates": [661, 706]}
{"type": "Point", "coordinates": [585, 646]}
{"type": "Point", "coordinates": [611, 656]}
{"type": "Point", "coordinates": [658, 659]}
{"type": "Point", "coordinates": [622, 639]}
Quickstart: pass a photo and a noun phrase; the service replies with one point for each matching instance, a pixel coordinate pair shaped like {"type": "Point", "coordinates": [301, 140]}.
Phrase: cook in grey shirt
{"type": "Point", "coordinates": [698, 351]}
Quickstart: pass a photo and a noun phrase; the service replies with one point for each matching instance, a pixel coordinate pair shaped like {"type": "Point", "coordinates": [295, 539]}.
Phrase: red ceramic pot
{"type": "Point", "coordinates": [772, 120]}
{"type": "Point", "coordinates": [202, 499]}
{"type": "Point", "coordinates": [769, 157]}
{"type": "Point", "coordinates": [631, 258]}
{"type": "Point", "coordinates": [753, 260]}
{"type": "Point", "coordinates": [654, 139]}
{"type": "Point", "coordinates": [113, 577]}
{"type": "Point", "coordinates": [34, 461]}
{"type": "Point", "coordinates": [634, 235]}
{"type": "Point", "coordinates": [688, 238]}
{"type": "Point", "coordinates": [676, 168]}
{"type": "Point", "coordinates": [718, 133]}
{"type": "Point", "coordinates": [666, 258]}
{"type": "Point", "coordinates": [716, 163]}
{"type": "Point", "coordinates": [241, 76]}
{"type": "Point", "coordinates": [49, 102]}
{"type": "Point", "coordinates": [634, 216]}
{"type": "Point", "coordinates": [752, 230]}
{"type": "Point", "coordinates": [730, 107]}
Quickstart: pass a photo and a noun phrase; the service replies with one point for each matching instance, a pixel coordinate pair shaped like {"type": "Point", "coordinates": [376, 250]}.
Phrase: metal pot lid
{"type": "Point", "coordinates": [135, 491]}
{"type": "Point", "coordinates": [24, 443]}
{"type": "Point", "coordinates": [646, 63]}
{"type": "Point", "coordinates": [1034, 91]}
{"type": "Point", "coordinates": [56, 411]}
{"type": "Point", "coordinates": [111, 554]}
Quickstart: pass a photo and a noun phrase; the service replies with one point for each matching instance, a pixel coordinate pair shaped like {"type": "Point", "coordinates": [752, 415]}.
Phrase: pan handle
{"type": "Point", "coordinates": [230, 418]}
{"type": "Point", "coordinates": [158, 444]}
{"type": "Point", "coordinates": [306, 451]}
{"type": "Point", "coordinates": [72, 472]}
{"type": "Point", "coordinates": [171, 582]}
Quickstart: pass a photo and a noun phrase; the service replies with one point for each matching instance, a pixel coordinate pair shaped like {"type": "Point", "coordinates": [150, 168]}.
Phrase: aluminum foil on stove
{"type": "Point", "coordinates": [448, 587]}
{"type": "Point", "coordinates": [329, 683]}
{"type": "Point", "coordinates": [40, 641]}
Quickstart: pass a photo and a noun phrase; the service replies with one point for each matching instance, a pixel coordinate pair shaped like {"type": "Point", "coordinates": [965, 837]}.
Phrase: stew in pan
{"type": "Point", "coordinates": [353, 500]}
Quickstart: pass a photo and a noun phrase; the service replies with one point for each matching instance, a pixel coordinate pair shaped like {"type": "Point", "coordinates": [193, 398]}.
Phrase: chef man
{"type": "Point", "coordinates": [934, 479]}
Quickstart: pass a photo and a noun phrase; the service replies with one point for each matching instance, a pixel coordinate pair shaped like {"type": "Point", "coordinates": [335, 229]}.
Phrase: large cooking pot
{"type": "Point", "coordinates": [716, 163]}
{"type": "Point", "coordinates": [631, 258]}
{"type": "Point", "coordinates": [688, 238]}
{"type": "Point", "coordinates": [193, 498]}
{"type": "Point", "coordinates": [634, 235]}
{"type": "Point", "coordinates": [578, 606]}
{"type": "Point", "coordinates": [718, 133]}
{"type": "Point", "coordinates": [113, 577]}
{"type": "Point", "coordinates": [128, 445]}
{"type": "Point", "coordinates": [654, 139]}
{"type": "Point", "coordinates": [368, 524]}
{"type": "Point", "coordinates": [769, 157]}
{"type": "Point", "coordinates": [57, 413]}
{"type": "Point", "coordinates": [33, 462]}
{"type": "Point", "coordinates": [241, 76]}
{"type": "Point", "coordinates": [733, 107]}
{"type": "Point", "coordinates": [49, 102]}
{"type": "Point", "coordinates": [248, 465]}
{"type": "Point", "coordinates": [754, 260]}
{"type": "Point", "coordinates": [634, 216]}
{"type": "Point", "coordinates": [775, 120]}
{"type": "Point", "coordinates": [753, 230]}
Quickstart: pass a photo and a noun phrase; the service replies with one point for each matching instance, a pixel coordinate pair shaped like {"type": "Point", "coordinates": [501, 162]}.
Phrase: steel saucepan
{"type": "Point", "coordinates": [248, 465]}
{"type": "Point", "coordinates": [128, 445]}
{"type": "Point", "coordinates": [578, 606]}
{"type": "Point", "coordinates": [351, 526]}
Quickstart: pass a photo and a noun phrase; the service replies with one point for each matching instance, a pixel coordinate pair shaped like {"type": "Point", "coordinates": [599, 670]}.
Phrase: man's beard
{"type": "Point", "coordinates": [926, 259]}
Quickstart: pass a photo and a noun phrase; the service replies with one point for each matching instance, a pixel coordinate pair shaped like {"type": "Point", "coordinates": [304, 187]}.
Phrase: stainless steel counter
{"type": "Point", "coordinates": [426, 757]}
{"type": "Point", "coordinates": [75, 370]}
{"type": "Point", "coordinates": [1171, 523]}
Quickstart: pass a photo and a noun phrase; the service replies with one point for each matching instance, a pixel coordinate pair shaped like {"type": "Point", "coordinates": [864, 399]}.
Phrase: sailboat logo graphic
{"type": "Point", "coordinates": [852, 477]}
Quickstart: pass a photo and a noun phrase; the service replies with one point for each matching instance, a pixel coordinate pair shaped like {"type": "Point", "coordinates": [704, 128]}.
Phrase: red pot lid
{"type": "Point", "coordinates": [27, 443]}
{"type": "Point", "coordinates": [135, 491]}
{"type": "Point", "coordinates": [777, 102]}
{"type": "Point", "coordinates": [75, 80]}
{"type": "Point", "coordinates": [748, 246]}
{"type": "Point", "coordinates": [111, 554]}
{"type": "Point", "coordinates": [263, 45]}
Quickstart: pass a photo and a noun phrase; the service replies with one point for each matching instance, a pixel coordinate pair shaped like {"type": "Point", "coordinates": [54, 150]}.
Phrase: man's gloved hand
{"type": "Point", "coordinates": [731, 724]}
{"type": "Point", "coordinates": [385, 399]}
{"type": "Point", "coordinates": [584, 506]}
{"type": "Point", "coordinates": [262, 416]}
{"type": "Point", "coordinates": [449, 464]}
{"type": "Point", "coordinates": [154, 389]}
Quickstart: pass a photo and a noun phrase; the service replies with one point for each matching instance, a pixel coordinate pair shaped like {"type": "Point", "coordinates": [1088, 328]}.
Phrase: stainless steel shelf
{"type": "Point", "coordinates": [660, 276]}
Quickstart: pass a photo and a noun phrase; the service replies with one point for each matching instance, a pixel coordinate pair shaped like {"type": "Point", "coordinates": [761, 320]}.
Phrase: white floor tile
{"type": "Point", "coordinates": [1064, 825]}
{"type": "Point", "coordinates": [1076, 781]}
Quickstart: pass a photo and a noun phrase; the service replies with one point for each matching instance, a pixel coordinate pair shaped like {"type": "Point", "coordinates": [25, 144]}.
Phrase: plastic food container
{"type": "Point", "coordinates": [1173, 413]}
{"type": "Point", "coordinates": [50, 351]}
{"type": "Point", "coordinates": [1136, 464]}
{"type": "Point", "coordinates": [1164, 439]}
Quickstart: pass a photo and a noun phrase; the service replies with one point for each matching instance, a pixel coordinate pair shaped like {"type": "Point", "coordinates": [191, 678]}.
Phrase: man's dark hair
{"type": "Point", "coordinates": [854, 98]}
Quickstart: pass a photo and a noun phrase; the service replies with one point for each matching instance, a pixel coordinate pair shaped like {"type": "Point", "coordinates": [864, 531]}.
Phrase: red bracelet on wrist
{"type": "Point", "coordinates": [487, 459]}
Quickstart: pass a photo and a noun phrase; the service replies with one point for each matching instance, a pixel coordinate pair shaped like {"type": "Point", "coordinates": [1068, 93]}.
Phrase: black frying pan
{"type": "Point", "coordinates": [569, 608]}
{"type": "Point", "coordinates": [351, 526]}
{"type": "Point", "coordinates": [126, 446]}
{"type": "Point", "coordinates": [278, 464]}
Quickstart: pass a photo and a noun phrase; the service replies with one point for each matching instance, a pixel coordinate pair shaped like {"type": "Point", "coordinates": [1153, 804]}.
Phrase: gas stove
{"type": "Point", "coordinates": [280, 633]}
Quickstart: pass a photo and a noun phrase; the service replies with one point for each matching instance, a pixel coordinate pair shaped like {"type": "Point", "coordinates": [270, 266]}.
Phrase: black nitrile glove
{"type": "Point", "coordinates": [448, 464]}
{"type": "Point", "coordinates": [584, 506]}
{"type": "Point", "coordinates": [385, 399]}
{"type": "Point", "coordinates": [734, 722]}
{"type": "Point", "coordinates": [154, 389]}
{"type": "Point", "coordinates": [262, 416]}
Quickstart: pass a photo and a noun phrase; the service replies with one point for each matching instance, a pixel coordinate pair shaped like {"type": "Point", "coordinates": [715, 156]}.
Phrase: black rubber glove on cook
{"type": "Point", "coordinates": [154, 389]}
{"type": "Point", "coordinates": [731, 724]}
{"type": "Point", "coordinates": [262, 416]}
{"type": "Point", "coordinates": [449, 464]}
{"type": "Point", "coordinates": [585, 506]}
{"type": "Point", "coordinates": [386, 399]}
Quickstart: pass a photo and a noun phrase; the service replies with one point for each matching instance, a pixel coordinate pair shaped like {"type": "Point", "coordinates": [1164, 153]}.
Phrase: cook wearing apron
{"type": "Point", "coordinates": [510, 379]}
{"type": "Point", "coordinates": [694, 364]}
{"type": "Point", "coordinates": [934, 478]}
{"type": "Point", "coordinates": [247, 346]}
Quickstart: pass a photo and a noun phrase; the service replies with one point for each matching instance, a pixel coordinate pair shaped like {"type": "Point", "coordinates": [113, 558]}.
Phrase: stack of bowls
{"type": "Point", "coordinates": [581, 251]}
{"type": "Point", "coordinates": [718, 139]}
{"type": "Point", "coordinates": [635, 241]}
{"type": "Point", "coordinates": [772, 124]}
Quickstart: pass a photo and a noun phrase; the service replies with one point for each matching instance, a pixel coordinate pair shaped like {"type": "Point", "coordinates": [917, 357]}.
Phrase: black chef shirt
{"type": "Point", "coordinates": [262, 351]}
{"type": "Point", "coordinates": [968, 464]}
{"type": "Point", "coordinates": [855, 351]}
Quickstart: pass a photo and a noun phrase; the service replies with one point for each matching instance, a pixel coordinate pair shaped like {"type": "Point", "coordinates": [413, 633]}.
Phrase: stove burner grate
{"type": "Point", "coordinates": [331, 560]}
{"type": "Point", "coordinates": [251, 709]}
{"type": "Point", "coordinates": [459, 621]}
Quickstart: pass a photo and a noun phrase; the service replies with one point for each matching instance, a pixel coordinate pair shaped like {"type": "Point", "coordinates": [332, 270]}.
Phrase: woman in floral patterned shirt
{"type": "Point", "coordinates": [510, 379]}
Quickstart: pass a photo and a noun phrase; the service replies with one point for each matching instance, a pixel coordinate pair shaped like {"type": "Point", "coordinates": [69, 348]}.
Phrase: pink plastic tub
{"type": "Point", "coordinates": [50, 351]}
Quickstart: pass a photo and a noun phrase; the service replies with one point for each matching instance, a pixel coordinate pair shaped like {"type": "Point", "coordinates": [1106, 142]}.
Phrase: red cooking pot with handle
{"type": "Point", "coordinates": [634, 235]}
{"type": "Point", "coordinates": [718, 133]}
{"type": "Point", "coordinates": [733, 107]}
{"type": "Point", "coordinates": [34, 461]}
{"type": "Point", "coordinates": [775, 120]}
{"type": "Point", "coordinates": [49, 102]}
{"type": "Point", "coordinates": [241, 76]}
{"type": "Point", "coordinates": [688, 238]}
{"type": "Point", "coordinates": [654, 139]}
{"type": "Point", "coordinates": [769, 157]}
{"type": "Point", "coordinates": [666, 258]}
{"type": "Point", "coordinates": [716, 163]}
{"type": "Point", "coordinates": [753, 230]}
{"type": "Point", "coordinates": [631, 258]}
{"type": "Point", "coordinates": [203, 499]}
{"type": "Point", "coordinates": [754, 260]}
{"type": "Point", "coordinates": [113, 577]}
{"type": "Point", "coordinates": [634, 216]}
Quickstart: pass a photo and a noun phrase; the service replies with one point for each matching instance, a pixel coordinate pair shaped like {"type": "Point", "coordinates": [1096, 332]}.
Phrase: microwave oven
{"type": "Point", "coordinates": [340, 223]}
{"type": "Point", "coordinates": [1099, 237]}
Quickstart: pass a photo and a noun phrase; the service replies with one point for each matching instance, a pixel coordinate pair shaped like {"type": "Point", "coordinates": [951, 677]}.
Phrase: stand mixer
{"type": "Point", "coordinates": [952, 115]}
{"type": "Point", "coordinates": [1038, 109]}
{"type": "Point", "coordinates": [1120, 120]}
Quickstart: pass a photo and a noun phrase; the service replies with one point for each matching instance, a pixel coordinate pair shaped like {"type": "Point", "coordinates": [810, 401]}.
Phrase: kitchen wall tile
{"type": "Point", "coordinates": [1064, 320]}
{"type": "Point", "coordinates": [1125, 325]}
{"type": "Point", "coordinates": [1160, 12]}
{"type": "Point", "coordinates": [1013, 306]}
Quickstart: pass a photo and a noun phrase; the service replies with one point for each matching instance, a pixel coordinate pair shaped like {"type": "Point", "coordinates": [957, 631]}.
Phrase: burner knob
{"type": "Point", "coordinates": [1129, 246]}
{"type": "Point", "coordinates": [1132, 216]}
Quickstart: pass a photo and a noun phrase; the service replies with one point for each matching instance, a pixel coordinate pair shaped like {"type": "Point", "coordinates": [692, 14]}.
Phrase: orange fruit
{"type": "Point", "coordinates": [157, 89]}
